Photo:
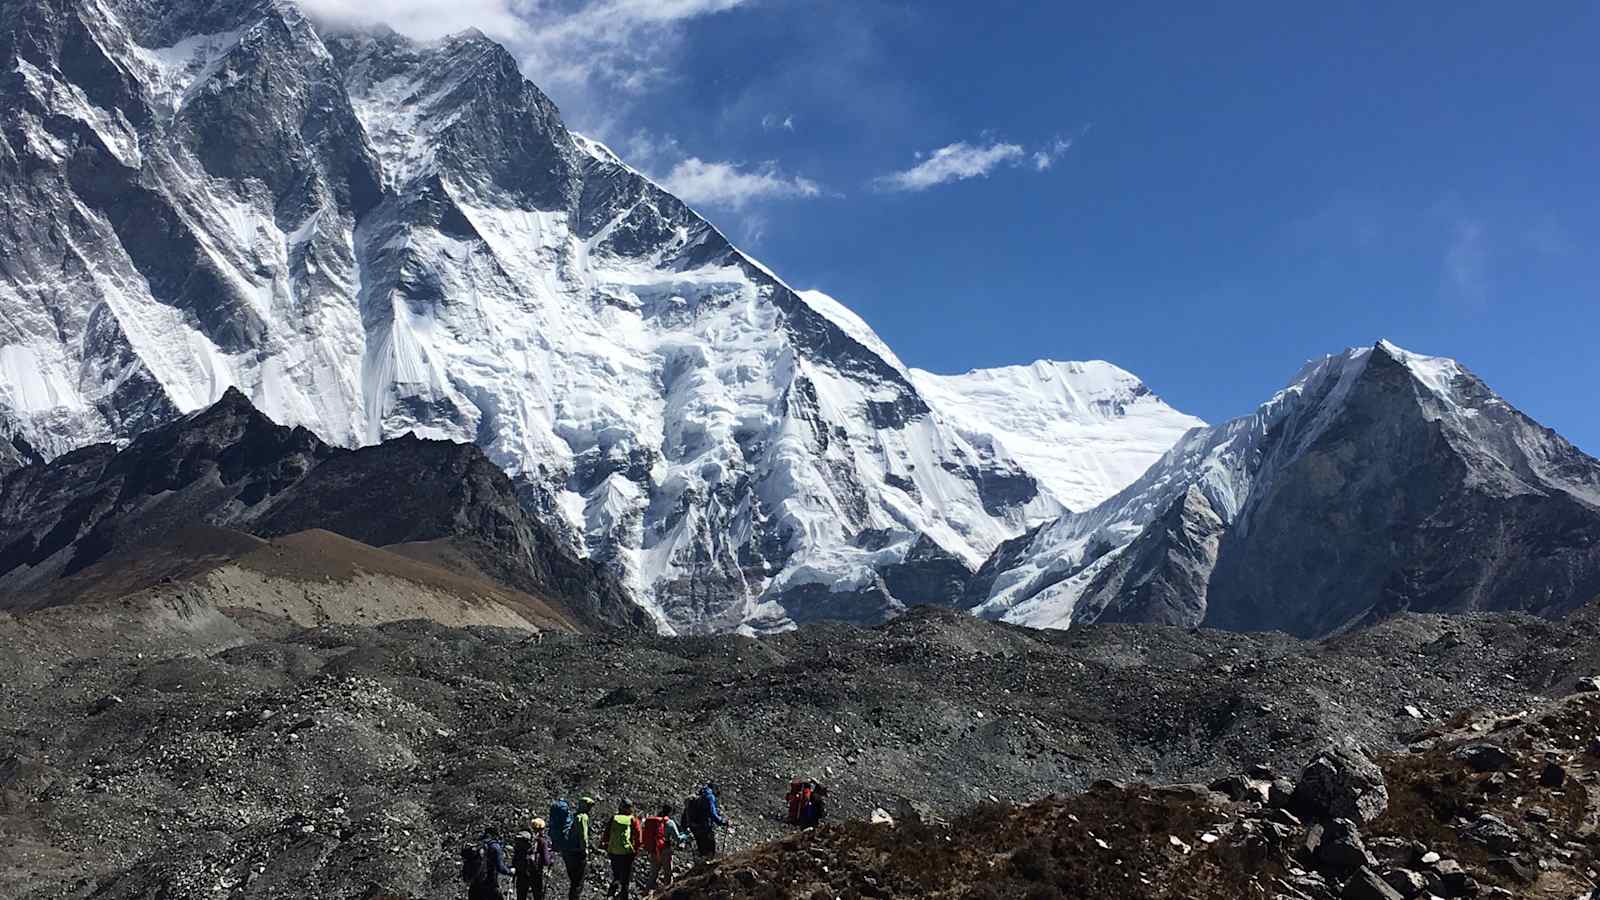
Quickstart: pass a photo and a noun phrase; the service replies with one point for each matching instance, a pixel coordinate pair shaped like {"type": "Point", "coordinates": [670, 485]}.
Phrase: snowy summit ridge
{"type": "Point", "coordinates": [1376, 480]}
{"type": "Point", "coordinates": [370, 236]}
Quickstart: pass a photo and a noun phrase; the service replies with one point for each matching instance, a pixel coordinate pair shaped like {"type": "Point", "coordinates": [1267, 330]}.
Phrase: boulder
{"type": "Point", "coordinates": [1306, 884]}
{"type": "Point", "coordinates": [1589, 685]}
{"type": "Point", "coordinates": [915, 813]}
{"type": "Point", "coordinates": [1234, 787]}
{"type": "Point", "coordinates": [1183, 792]}
{"type": "Point", "coordinates": [1280, 793]}
{"type": "Point", "coordinates": [1285, 817]}
{"type": "Point", "coordinates": [1509, 869]}
{"type": "Point", "coordinates": [1484, 757]}
{"type": "Point", "coordinates": [1341, 783]}
{"type": "Point", "coordinates": [1553, 776]}
{"type": "Point", "coordinates": [1405, 882]}
{"type": "Point", "coordinates": [1492, 831]}
{"type": "Point", "coordinates": [1366, 885]}
{"type": "Point", "coordinates": [1337, 845]}
{"type": "Point", "coordinates": [1454, 880]}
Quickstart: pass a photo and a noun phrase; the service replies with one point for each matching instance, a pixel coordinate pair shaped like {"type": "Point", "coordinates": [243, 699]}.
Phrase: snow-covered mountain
{"type": "Point", "coordinates": [1084, 429]}
{"type": "Point", "coordinates": [1379, 480]}
{"type": "Point", "coordinates": [370, 236]}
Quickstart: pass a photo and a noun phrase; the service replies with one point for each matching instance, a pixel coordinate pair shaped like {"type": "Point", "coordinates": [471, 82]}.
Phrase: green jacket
{"type": "Point", "coordinates": [580, 827]}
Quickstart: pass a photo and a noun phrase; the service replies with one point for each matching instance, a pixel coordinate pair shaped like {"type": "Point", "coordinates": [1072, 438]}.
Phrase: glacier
{"type": "Point", "coordinates": [371, 236]}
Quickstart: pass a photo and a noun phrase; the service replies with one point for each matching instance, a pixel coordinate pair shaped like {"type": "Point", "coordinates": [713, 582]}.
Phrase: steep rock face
{"type": "Point", "coordinates": [230, 466]}
{"type": "Point", "coordinates": [1426, 497]}
{"type": "Point", "coordinates": [371, 237]}
{"type": "Point", "coordinates": [1378, 481]}
{"type": "Point", "coordinates": [1163, 577]}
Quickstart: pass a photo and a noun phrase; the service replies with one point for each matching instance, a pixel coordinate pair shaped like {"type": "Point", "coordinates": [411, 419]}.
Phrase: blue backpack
{"type": "Point", "coordinates": [562, 829]}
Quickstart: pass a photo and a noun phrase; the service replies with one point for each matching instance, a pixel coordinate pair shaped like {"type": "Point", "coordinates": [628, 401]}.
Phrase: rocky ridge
{"type": "Point", "coordinates": [94, 522]}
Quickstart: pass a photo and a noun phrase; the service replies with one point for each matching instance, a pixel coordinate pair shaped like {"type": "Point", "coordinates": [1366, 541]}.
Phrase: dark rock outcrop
{"type": "Point", "coordinates": [230, 465]}
{"type": "Point", "coordinates": [1341, 783]}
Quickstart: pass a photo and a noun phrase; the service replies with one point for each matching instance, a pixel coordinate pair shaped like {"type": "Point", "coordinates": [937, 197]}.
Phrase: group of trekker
{"type": "Point", "coordinates": [567, 833]}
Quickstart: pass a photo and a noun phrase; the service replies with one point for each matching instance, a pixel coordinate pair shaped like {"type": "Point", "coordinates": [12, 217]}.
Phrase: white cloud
{"type": "Point", "coordinates": [733, 186]}
{"type": "Point", "coordinates": [952, 163]}
{"type": "Point", "coordinates": [592, 55]}
{"type": "Point", "coordinates": [425, 19]}
{"type": "Point", "coordinates": [622, 44]}
{"type": "Point", "coordinates": [1046, 157]}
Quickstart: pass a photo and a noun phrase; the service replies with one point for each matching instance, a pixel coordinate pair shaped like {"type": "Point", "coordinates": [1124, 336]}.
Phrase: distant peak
{"type": "Point", "coordinates": [233, 397]}
{"type": "Point", "coordinates": [1391, 349]}
{"type": "Point", "coordinates": [232, 404]}
{"type": "Point", "coordinates": [1097, 369]}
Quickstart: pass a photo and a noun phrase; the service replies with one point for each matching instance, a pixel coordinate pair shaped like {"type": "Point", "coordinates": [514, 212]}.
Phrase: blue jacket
{"type": "Point", "coordinates": [711, 805]}
{"type": "Point", "coordinates": [494, 858]}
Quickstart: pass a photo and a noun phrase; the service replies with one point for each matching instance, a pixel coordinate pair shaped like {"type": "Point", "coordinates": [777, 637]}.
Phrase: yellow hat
{"type": "Point", "coordinates": [538, 824]}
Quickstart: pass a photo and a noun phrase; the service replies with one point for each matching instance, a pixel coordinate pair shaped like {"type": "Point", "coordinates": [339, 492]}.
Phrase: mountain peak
{"type": "Point", "coordinates": [1058, 418]}
{"type": "Point", "coordinates": [371, 236]}
{"type": "Point", "coordinates": [1330, 500]}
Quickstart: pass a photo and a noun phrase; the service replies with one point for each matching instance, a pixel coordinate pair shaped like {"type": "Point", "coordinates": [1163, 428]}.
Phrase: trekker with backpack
{"type": "Point", "coordinates": [816, 806]}
{"type": "Point", "coordinates": [530, 856]}
{"type": "Point", "coordinates": [623, 840]}
{"type": "Point", "coordinates": [482, 864]}
{"type": "Point", "coordinates": [799, 799]}
{"type": "Point", "coordinates": [701, 814]}
{"type": "Point", "coordinates": [569, 834]}
{"type": "Point", "coordinates": [662, 836]}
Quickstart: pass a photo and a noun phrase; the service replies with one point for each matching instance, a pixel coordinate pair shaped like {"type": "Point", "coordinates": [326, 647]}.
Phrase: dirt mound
{"type": "Point", "coordinates": [178, 555]}
{"type": "Point", "coordinates": [308, 578]}
{"type": "Point", "coordinates": [396, 586]}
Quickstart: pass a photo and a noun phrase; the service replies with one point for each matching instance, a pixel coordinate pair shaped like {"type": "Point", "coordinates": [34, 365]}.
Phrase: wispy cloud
{"type": "Point", "coordinates": [732, 185]}
{"type": "Point", "coordinates": [961, 160]}
{"type": "Point", "coordinates": [612, 44]}
{"type": "Point", "coordinates": [723, 183]}
{"type": "Point", "coordinates": [954, 162]}
{"type": "Point", "coordinates": [771, 121]}
{"type": "Point", "coordinates": [1466, 262]}
{"type": "Point", "coordinates": [1046, 156]}
{"type": "Point", "coordinates": [425, 19]}
{"type": "Point", "coordinates": [594, 55]}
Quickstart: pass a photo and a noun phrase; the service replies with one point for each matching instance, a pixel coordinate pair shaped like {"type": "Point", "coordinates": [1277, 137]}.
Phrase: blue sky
{"type": "Point", "coordinates": [1205, 197]}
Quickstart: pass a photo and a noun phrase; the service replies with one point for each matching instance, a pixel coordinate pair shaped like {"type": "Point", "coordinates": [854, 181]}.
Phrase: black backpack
{"type": "Point", "coordinates": [473, 863]}
{"type": "Point", "coordinates": [696, 811]}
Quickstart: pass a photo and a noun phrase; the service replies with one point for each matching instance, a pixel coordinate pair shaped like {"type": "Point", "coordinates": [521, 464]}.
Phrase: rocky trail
{"type": "Point", "coordinates": [1490, 807]}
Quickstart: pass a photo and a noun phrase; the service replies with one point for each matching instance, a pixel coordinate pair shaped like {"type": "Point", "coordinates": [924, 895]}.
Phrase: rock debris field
{"type": "Point", "coordinates": [143, 756]}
